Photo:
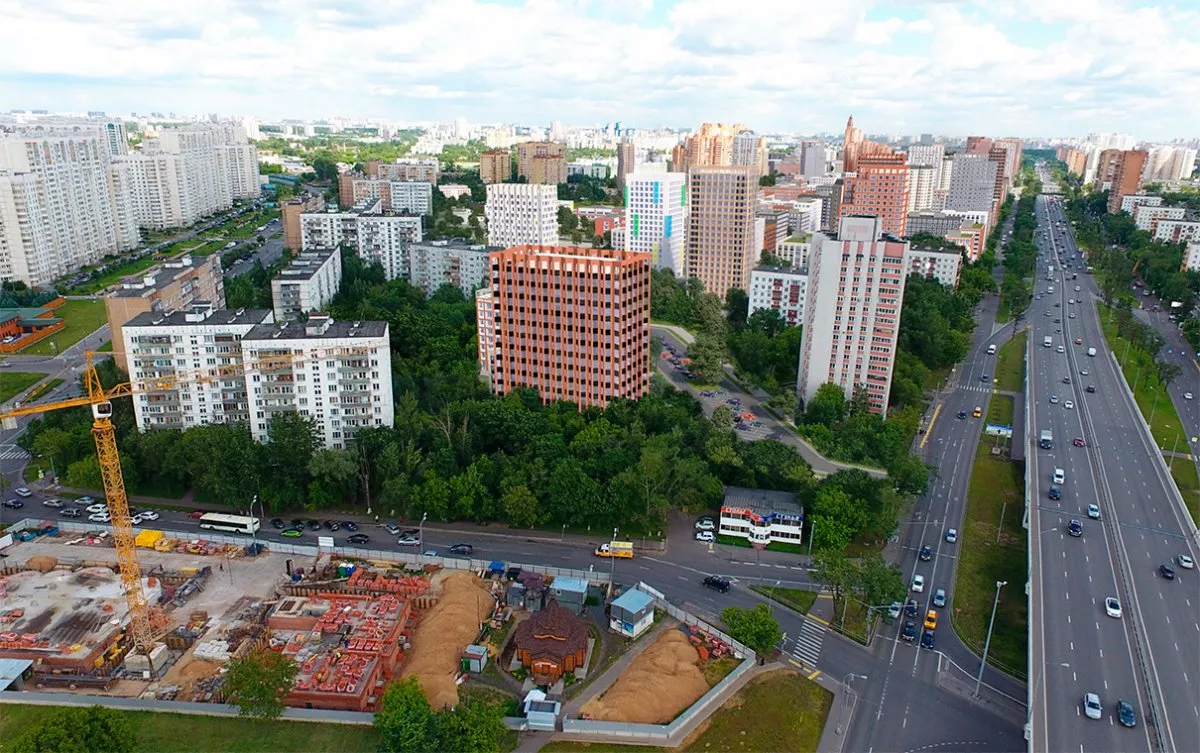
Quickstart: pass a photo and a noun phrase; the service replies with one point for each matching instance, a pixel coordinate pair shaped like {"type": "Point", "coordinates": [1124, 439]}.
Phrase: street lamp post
{"type": "Point", "coordinates": [988, 641]}
{"type": "Point", "coordinates": [421, 530]}
{"type": "Point", "coordinates": [1041, 678]}
{"type": "Point", "coordinates": [846, 700]}
{"type": "Point", "coordinates": [612, 563]}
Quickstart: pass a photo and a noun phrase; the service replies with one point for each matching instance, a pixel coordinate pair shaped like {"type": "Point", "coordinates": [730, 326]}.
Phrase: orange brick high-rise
{"type": "Point", "coordinates": [572, 323]}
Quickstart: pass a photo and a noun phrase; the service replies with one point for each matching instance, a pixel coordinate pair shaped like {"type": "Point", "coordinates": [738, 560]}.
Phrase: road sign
{"type": "Point", "coordinates": [997, 430]}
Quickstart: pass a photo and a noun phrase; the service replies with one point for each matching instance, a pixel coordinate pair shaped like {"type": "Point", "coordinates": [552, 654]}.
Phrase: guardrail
{"type": "Point", "coordinates": [1031, 442]}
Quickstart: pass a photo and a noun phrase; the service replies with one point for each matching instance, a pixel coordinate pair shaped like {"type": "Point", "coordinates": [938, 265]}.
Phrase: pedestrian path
{"type": "Point", "coordinates": [807, 648]}
{"type": "Point", "coordinates": [12, 452]}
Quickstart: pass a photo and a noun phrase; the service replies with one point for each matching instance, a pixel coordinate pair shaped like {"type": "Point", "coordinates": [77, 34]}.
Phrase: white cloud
{"type": "Point", "coordinates": [1006, 66]}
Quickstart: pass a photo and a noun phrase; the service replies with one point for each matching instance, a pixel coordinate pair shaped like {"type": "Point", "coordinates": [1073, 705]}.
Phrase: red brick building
{"type": "Point", "coordinates": [879, 189]}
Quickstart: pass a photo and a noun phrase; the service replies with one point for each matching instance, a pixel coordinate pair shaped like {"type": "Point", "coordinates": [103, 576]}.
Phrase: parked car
{"type": "Point", "coordinates": [293, 533]}
{"type": "Point", "coordinates": [196, 514]}
{"type": "Point", "coordinates": [705, 536]}
{"type": "Point", "coordinates": [706, 524]}
{"type": "Point", "coordinates": [97, 507]}
{"type": "Point", "coordinates": [350, 525]}
{"type": "Point", "coordinates": [85, 500]}
{"type": "Point", "coordinates": [22, 491]}
{"type": "Point", "coordinates": [278, 524]}
{"type": "Point", "coordinates": [392, 528]}
{"type": "Point", "coordinates": [463, 549]}
{"type": "Point", "coordinates": [14, 504]}
{"type": "Point", "coordinates": [717, 583]}
{"type": "Point", "coordinates": [333, 525]}
{"type": "Point", "coordinates": [409, 541]}
{"type": "Point", "coordinates": [53, 503]}
{"type": "Point", "coordinates": [313, 525]}
{"type": "Point", "coordinates": [149, 515]}
{"type": "Point", "coordinates": [894, 610]}
{"type": "Point", "coordinates": [70, 512]}
{"type": "Point", "coordinates": [100, 517]}
{"type": "Point", "coordinates": [429, 553]}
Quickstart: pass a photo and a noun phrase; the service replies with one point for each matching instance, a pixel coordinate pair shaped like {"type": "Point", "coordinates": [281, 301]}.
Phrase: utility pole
{"type": "Point", "coordinates": [988, 642]}
{"type": "Point", "coordinates": [612, 563]}
{"type": "Point", "coordinates": [846, 700]}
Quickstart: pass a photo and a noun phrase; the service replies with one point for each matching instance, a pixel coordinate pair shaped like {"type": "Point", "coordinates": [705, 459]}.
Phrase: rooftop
{"type": "Point", "coordinates": [306, 264]}
{"type": "Point", "coordinates": [318, 327]}
{"type": "Point", "coordinates": [782, 269]}
{"type": "Point", "coordinates": [633, 600]}
{"type": "Point", "coordinates": [200, 313]}
{"type": "Point", "coordinates": [761, 501]}
{"type": "Point", "coordinates": [160, 277]}
{"type": "Point", "coordinates": [553, 633]}
{"type": "Point", "coordinates": [457, 244]}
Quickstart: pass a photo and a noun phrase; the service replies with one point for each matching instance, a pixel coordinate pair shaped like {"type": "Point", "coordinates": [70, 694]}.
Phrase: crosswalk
{"type": "Point", "coordinates": [979, 387]}
{"type": "Point", "coordinates": [12, 452]}
{"type": "Point", "coordinates": [807, 648]}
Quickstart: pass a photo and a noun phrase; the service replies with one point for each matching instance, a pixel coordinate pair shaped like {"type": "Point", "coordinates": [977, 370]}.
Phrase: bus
{"type": "Point", "coordinates": [233, 523]}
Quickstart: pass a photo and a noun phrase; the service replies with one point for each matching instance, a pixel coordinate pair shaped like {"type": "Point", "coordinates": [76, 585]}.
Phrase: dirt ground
{"type": "Point", "coordinates": [658, 684]}
{"type": "Point", "coordinates": [443, 633]}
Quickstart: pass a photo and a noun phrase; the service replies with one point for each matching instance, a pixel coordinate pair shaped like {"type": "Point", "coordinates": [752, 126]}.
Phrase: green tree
{"type": "Point", "coordinates": [471, 727]}
{"type": "Point", "coordinates": [54, 443]}
{"type": "Point", "coordinates": [828, 406]}
{"type": "Point", "coordinates": [834, 570]}
{"type": "Point", "coordinates": [707, 353]}
{"type": "Point", "coordinates": [404, 720]}
{"type": "Point", "coordinates": [568, 222]}
{"type": "Point", "coordinates": [737, 303]}
{"type": "Point", "coordinates": [258, 682]}
{"type": "Point", "coordinates": [93, 729]}
{"type": "Point", "coordinates": [755, 627]}
{"type": "Point", "coordinates": [291, 442]}
{"type": "Point", "coordinates": [325, 168]}
{"type": "Point", "coordinates": [877, 581]}
{"type": "Point", "coordinates": [334, 476]}
{"type": "Point", "coordinates": [521, 507]}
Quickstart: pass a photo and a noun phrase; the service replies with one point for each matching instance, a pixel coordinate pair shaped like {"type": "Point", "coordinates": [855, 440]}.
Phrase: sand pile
{"type": "Point", "coordinates": [443, 633]}
{"type": "Point", "coordinates": [658, 684]}
{"type": "Point", "coordinates": [42, 563]}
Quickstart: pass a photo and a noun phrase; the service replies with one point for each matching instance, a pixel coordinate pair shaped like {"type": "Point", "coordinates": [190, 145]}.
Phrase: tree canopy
{"type": "Point", "coordinates": [93, 729]}
{"type": "Point", "coordinates": [258, 682]}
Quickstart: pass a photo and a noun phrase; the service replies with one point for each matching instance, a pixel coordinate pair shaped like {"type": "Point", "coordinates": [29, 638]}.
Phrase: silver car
{"type": "Point", "coordinates": [1091, 706]}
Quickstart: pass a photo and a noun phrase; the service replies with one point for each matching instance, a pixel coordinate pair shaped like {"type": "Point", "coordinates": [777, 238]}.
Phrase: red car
{"type": "Point", "coordinates": [197, 514]}
{"type": "Point", "coordinates": [1078, 442]}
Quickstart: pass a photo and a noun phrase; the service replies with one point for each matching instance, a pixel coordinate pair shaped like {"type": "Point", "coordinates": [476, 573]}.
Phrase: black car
{"type": "Point", "coordinates": [411, 532]}
{"type": "Point", "coordinates": [1167, 572]}
{"type": "Point", "coordinates": [983, 378]}
{"type": "Point", "coordinates": [927, 639]}
{"type": "Point", "coordinates": [1055, 493]}
{"type": "Point", "coordinates": [297, 523]}
{"type": "Point", "coordinates": [350, 525]}
{"type": "Point", "coordinates": [14, 504]}
{"type": "Point", "coordinates": [1075, 528]}
{"type": "Point", "coordinates": [278, 523]}
{"type": "Point", "coordinates": [1125, 713]}
{"type": "Point", "coordinates": [926, 554]}
{"type": "Point", "coordinates": [962, 414]}
{"type": "Point", "coordinates": [313, 525]}
{"type": "Point", "coordinates": [357, 538]}
{"type": "Point", "coordinates": [716, 583]}
{"type": "Point", "coordinates": [909, 631]}
{"type": "Point", "coordinates": [466, 549]}
{"type": "Point", "coordinates": [1090, 388]}
{"type": "Point", "coordinates": [910, 608]}
{"type": "Point", "coordinates": [333, 525]}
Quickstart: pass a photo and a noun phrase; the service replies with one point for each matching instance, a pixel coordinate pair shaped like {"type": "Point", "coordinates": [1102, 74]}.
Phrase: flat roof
{"type": "Point", "coordinates": [305, 331]}
{"type": "Point", "coordinates": [457, 244]}
{"type": "Point", "coordinates": [163, 274]}
{"type": "Point", "coordinates": [761, 501]}
{"type": "Point", "coordinates": [306, 264]}
{"type": "Point", "coordinates": [633, 600]}
{"type": "Point", "coordinates": [183, 318]}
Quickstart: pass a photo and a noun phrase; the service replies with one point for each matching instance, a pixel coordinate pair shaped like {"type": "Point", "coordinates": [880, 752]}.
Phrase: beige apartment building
{"type": "Point", "coordinates": [721, 238]}
{"type": "Point", "coordinates": [542, 162]}
{"type": "Point", "coordinates": [290, 211]}
{"type": "Point", "coordinates": [495, 166]}
{"type": "Point", "coordinates": [173, 286]}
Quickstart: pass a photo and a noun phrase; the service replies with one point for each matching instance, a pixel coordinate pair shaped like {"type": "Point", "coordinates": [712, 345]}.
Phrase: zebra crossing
{"type": "Point", "coordinates": [807, 648]}
{"type": "Point", "coordinates": [12, 452]}
{"type": "Point", "coordinates": [975, 387]}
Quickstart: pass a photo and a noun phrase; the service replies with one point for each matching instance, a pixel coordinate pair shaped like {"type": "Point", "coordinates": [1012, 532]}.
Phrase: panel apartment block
{"type": "Point", "coordinates": [174, 285]}
{"type": "Point", "coordinates": [721, 230]}
{"type": "Point", "coordinates": [421, 170]}
{"type": "Point", "coordinates": [495, 166]}
{"type": "Point", "coordinates": [783, 289]}
{"type": "Point", "coordinates": [462, 265]}
{"type": "Point", "coordinates": [376, 236]}
{"type": "Point", "coordinates": [337, 373]}
{"type": "Point", "coordinates": [308, 283]}
{"type": "Point", "coordinates": [852, 314]}
{"type": "Point", "coordinates": [943, 266]}
{"type": "Point", "coordinates": [572, 323]}
{"type": "Point", "coordinates": [656, 218]}
{"type": "Point", "coordinates": [521, 213]}
{"type": "Point", "coordinates": [542, 162]}
{"type": "Point", "coordinates": [290, 212]}
{"type": "Point", "coordinates": [972, 183]}
{"type": "Point", "coordinates": [201, 348]}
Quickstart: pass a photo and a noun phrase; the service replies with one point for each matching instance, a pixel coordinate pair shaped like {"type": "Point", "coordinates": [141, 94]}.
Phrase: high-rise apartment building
{"type": "Point", "coordinates": [928, 155]}
{"type": "Point", "coordinates": [656, 218]}
{"type": "Point", "coordinates": [721, 229]}
{"type": "Point", "coordinates": [1126, 176]}
{"type": "Point", "coordinates": [880, 189]}
{"type": "Point", "coordinates": [572, 323]}
{"type": "Point", "coordinates": [465, 266]}
{"type": "Point", "coordinates": [521, 213]}
{"type": "Point", "coordinates": [374, 235]}
{"type": "Point", "coordinates": [308, 283]}
{"type": "Point", "coordinates": [626, 162]}
{"type": "Point", "coordinates": [972, 183]}
{"type": "Point", "coordinates": [782, 289]}
{"type": "Point", "coordinates": [337, 373]}
{"type": "Point", "coordinates": [921, 181]}
{"type": "Point", "coordinates": [416, 169]}
{"type": "Point", "coordinates": [711, 145]}
{"type": "Point", "coordinates": [58, 209]}
{"type": "Point", "coordinates": [812, 159]}
{"type": "Point", "coordinates": [175, 285]}
{"type": "Point", "coordinates": [852, 313]}
{"type": "Point", "coordinates": [542, 162]}
{"type": "Point", "coordinates": [495, 166]}
{"type": "Point", "coordinates": [118, 139]}
{"type": "Point", "coordinates": [290, 211]}
{"type": "Point", "coordinates": [806, 214]}
{"type": "Point", "coordinates": [855, 146]}
{"type": "Point", "coordinates": [750, 150]}
{"type": "Point", "coordinates": [1169, 164]}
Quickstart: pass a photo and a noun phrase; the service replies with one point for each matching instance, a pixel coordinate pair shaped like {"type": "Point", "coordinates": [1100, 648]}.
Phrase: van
{"type": "Point", "coordinates": [1047, 341]}
{"type": "Point", "coordinates": [1091, 352]}
{"type": "Point", "coordinates": [991, 350]}
{"type": "Point", "coordinates": [1060, 476]}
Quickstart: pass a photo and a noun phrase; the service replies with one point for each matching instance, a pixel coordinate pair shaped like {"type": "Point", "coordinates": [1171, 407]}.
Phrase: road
{"type": "Point", "coordinates": [1151, 656]}
{"type": "Point", "coordinates": [267, 255]}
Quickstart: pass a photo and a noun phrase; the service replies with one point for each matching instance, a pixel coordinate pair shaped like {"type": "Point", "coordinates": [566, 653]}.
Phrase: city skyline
{"type": "Point", "coordinates": [1015, 67]}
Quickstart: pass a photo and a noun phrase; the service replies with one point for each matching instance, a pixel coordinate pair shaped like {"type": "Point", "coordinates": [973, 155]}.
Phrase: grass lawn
{"type": "Point", "coordinates": [105, 348]}
{"type": "Point", "coordinates": [1010, 363]}
{"type": "Point", "coordinates": [777, 711]}
{"type": "Point", "coordinates": [796, 598]}
{"type": "Point", "coordinates": [82, 319]}
{"type": "Point", "coordinates": [13, 383]}
{"type": "Point", "coordinates": [1184, 473]}
{"type": "Point", "coordinates": [1000, 410]}
{"type": "Point", "coordinates": [716, 670]}
{"type": "Point", "coordinates": [164, 733]}
{"type": "Point", "coordinates": [855, 616]}
{"type": "Point", "coordinates": [1142, 375]}
{"type": "Point", "coordinates": [997, 485]}
{"type": "Point", "coordinates": [936, 377]}
{"type": "Point", "coordinates": [43, 389]}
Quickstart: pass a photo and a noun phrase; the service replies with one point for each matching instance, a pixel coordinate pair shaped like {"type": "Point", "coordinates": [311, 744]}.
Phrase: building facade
{"type": "Point", "coordinates": [972, 183]}
{"type": "Point", "coordinates": [1146, 217]}
{"type": "Point", "coordinates": [878, 189]}
{"type": "Point", "coordinates": [656, 218]}
{"type": "Point", "coordinates": [933, 264]}
{"type": "Point", "coordinates": [1177, 231]}
{"type": "Point", "coordinates": [782, 289]}
{"type": "Point", "coordinates": [374, 235]}
{"type": "Point", "coordinates": [1126, 177]}
{"type": "Point", "coordinates": [762, 517]}
{"type": "Point", "coordinates": [720, 242]}
{"type": "Point", "coordinates": [626, 162]}
{"type": "Point", "coordinates": [419, 169]}
{"type": "Point", "coordinates": [1132, 201]}
{"type": "Point", "coordinates": [465, 266]}
{"type": "Point", "coordinates": [308, 283]}
{"type": "Point", "coordinates": [521, 213]}
{"type": "Point", "coordinates": [542, 162]}
{"type": "Point", "coordinates": [852, 313]}
{"type": "Point", "coordinates": [572, 323]}
{"type": "Point", "coordinates": [290, 212]}
{"type": "Point", "coordinates": [921, 181]}
{"type": "Point", "coordinates": [495, 166]}
{"type": "Point", "coordinates": [926, 155]}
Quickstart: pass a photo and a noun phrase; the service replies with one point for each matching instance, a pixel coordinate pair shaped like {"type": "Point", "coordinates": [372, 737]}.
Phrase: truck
{"type": "Point", "coordinates": [1047, 341]}
{"type": "Point", "coordinates": [991, 350]}
{"type": "Point", "coordinates": [1091, 352]}
{"type": "Point", "coordinates": [1046, 439]}
{"type": "Point", "coordinates": [619, 549]}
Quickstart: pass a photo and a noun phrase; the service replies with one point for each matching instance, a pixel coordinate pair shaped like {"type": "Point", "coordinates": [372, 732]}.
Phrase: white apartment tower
{"type": "Point", "coordinates": [465, 266]}
{"type": "Point", "coordinates": [927, 155]}
{"type": "Point", "coordinates": [972, 182]}
{"type": "Point", "coordinates": [306, 284]}
{"type": "Point", "coordinates": [375, 236]}
{"type": "Point", "coordinates": [118, 139]}
{"type": "Point", "coordinates": [922, 179]}
{"type": "Point", "coordinates": [852, 312]}
{"type": "Point", "coordinates": [656, 211]}
{"type": "Point", "coordinates": [337, 373]}
{"type": "Point", "coordinates": [57, 208]}
{"type": "Point", "coordinates": [521, 213]}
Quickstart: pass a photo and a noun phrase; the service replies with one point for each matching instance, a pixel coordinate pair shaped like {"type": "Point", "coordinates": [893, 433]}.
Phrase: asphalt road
{"type": "Point", "coordinates": [1152, 654]}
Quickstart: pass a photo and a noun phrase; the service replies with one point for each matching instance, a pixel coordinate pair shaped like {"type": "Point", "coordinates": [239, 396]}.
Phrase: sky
{"type": "Point", "coordinates": [996, 67]}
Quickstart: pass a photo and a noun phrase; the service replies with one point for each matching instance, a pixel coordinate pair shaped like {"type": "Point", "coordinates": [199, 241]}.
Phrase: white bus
{"type": "Point", "coordinates": [232, 523]}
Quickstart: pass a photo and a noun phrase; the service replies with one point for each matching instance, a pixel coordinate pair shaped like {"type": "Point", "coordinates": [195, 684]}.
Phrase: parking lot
{"type": "Point", "coordinates": [672, 362]}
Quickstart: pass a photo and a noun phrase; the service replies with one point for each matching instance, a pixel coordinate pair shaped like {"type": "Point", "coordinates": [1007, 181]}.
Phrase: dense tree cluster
{"type": "Point", "coordinates": [92, 729]}
{"type": "Point", "coordinates": [869, 579]}
{"type": "Point", "coordinates": [583, 190]}
{"type": "Point", "coordinates": [258, 682]}
{"type": "Point", "coordinates": [407, 724]}
{"type": "Point", "coordinates": [1020, 254]}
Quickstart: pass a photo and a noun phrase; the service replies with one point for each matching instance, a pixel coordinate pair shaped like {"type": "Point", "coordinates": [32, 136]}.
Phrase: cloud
{"type": "Point", "coordinates": [1024, 67]}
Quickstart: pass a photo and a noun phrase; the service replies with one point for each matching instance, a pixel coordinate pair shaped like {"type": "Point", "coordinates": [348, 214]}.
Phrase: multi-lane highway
{"type": "Point", "coordinates": [1149, 656]}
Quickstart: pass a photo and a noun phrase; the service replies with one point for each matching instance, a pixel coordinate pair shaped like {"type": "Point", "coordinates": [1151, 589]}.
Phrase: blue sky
{"type": "Point", "coordinates": [1004, 67]}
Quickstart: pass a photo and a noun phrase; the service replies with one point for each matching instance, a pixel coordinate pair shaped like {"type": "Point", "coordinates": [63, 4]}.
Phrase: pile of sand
{"type": "Point", "coordinates": [658, 684]}
{"type": "Point", "coordinates": [443, 633]}
{"type": "Point", "coordinates": [42, 563]}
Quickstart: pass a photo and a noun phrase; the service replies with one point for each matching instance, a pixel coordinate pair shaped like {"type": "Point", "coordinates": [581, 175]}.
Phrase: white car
{"type": "Point", "coordinates": [1054, 399]}
{"type": "Point", "coordinates": [52, 503]}
{"type": "Point", "coordinates": [1083, 372]}
{"type": "Point", "coordinates": [1076, 288]}
{"type": "Point", "coordinates": [1094, 511]}
{"type": "Point", "coordinates": [85, 500]}
{"type": "Point", "coordinates": [918, 583]}
{"type": "Point", "coordinates": [952, 535]}
{"type": "Point", "coordinates": [1068, 404]}
{"type": "Point", "coordinates": [1186, 396]}
{"type": "Point", "coordinates": [148, 515]}
{"type": "Point", "coordinates": [1186, 562]}
{"type": "Point", "coordinates": [22, 491]}
{"type": "Point", "coordinates": [136, 520]}
{"type": "Point", "coordinates": [1059, 349]}
{"type": "Point", "coordinates": [100, 517]}
{"type": "Point", "coordinates": [1112, 607]}
{"type": "Point", "coordinates": [1091, 706]}
{"type": "Point", "coordinates": [97, 507]}
{"type": "Point", "coordinates": [705, 524]}
{"type": "Point", "coordinates": [705, 536]}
